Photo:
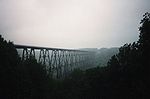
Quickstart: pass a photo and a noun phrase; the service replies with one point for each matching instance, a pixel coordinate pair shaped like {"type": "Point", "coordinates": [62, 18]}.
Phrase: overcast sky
{"type": "Point", "coordinates": [72, 23]}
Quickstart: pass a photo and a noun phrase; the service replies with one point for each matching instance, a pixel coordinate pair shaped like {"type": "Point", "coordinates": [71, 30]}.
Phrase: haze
{"type": "Point", "coordinates": [72, 23]}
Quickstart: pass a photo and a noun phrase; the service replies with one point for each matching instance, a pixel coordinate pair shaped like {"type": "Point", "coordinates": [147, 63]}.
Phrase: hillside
{"type": "Point", "coordinates": [102, 55]}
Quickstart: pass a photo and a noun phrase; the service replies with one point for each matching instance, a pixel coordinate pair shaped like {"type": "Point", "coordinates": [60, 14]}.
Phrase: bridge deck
{"type": "Point", "coordinates": [37, 47]}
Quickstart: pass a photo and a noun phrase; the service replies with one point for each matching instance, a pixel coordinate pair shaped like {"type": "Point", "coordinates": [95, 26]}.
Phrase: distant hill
{"type": "Point", "coordinates": [89, 49]}
{"type": "Point", "coordinates": [103, 54]}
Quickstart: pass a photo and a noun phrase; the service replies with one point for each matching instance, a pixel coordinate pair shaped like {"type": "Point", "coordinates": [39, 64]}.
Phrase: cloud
{"type": "Point", "coordinates": [71, 23]}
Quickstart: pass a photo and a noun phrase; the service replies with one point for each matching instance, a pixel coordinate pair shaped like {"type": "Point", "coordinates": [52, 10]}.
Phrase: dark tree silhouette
{"type": "Point", "coordinates": [21, 79]}
{"type": "Point", "coordinates": [132, 63]}
{"type": "Point", "coordinates": [144, 41]}
{"type": "Point", "coordinates": [9, 61]}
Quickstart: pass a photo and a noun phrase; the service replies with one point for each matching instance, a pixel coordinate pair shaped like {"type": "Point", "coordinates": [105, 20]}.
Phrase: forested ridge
{"type": "Point", "coordinates": [126, 76]}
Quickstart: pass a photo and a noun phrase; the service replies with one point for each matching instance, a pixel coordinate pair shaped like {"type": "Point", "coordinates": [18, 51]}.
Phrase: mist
{"type": "Point", "coordinates": [72, 23]}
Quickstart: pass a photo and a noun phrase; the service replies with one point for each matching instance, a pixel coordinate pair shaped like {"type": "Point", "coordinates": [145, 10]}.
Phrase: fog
{"type": "Point", "coordinates": [72, 23]}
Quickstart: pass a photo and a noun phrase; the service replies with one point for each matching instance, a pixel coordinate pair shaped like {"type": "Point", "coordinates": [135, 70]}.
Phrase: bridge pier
{"type": "Point", "coordinates": [58, 62]}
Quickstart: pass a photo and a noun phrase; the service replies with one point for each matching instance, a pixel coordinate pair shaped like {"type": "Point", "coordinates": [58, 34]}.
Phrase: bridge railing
{"type": "Point", "coordinates": [58, 62]}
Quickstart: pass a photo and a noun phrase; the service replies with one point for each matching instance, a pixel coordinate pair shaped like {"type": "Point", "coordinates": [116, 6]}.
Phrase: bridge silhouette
{"type": "Point", "coordinates": [58, 62]}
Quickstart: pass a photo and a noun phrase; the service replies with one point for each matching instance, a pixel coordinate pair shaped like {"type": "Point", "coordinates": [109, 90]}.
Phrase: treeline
{"type": "Point", "coordinates": [20, 79]}
{"type": "Point", "coordinates": [127, 75]}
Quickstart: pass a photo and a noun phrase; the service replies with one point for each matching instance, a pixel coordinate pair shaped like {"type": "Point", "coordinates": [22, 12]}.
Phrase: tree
{"type": "Point", "coordinates": [34, 79]}
{"type": "Point", "coordinates": [144, 41]}
{"type": "Point", "coordinates": [9, 61]}
{"type": "Point", "coordinates": [132, 63]}
{"type": "Point", "coordinates": [21, 79]}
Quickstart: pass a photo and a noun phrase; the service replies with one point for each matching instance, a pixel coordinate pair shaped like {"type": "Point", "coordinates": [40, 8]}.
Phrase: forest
{"type": "Point", "coordinates": [126, 76]}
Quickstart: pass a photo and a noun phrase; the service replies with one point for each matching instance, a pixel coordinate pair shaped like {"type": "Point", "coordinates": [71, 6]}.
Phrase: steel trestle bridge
{"type": "Point", "coordinates": [58, 62]}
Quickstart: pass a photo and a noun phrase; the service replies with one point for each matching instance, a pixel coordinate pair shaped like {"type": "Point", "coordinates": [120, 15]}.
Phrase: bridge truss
{"type": "Point", "coordinates": [57, 62]}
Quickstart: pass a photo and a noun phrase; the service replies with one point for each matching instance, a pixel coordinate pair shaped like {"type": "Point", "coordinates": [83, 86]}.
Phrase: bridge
{"type": "Point", "coordinates": [58, 62]}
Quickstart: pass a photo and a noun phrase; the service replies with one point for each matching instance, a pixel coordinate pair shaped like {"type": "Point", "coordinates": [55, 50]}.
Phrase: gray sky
{"type": "Point", "coordinates": [72, 23]}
